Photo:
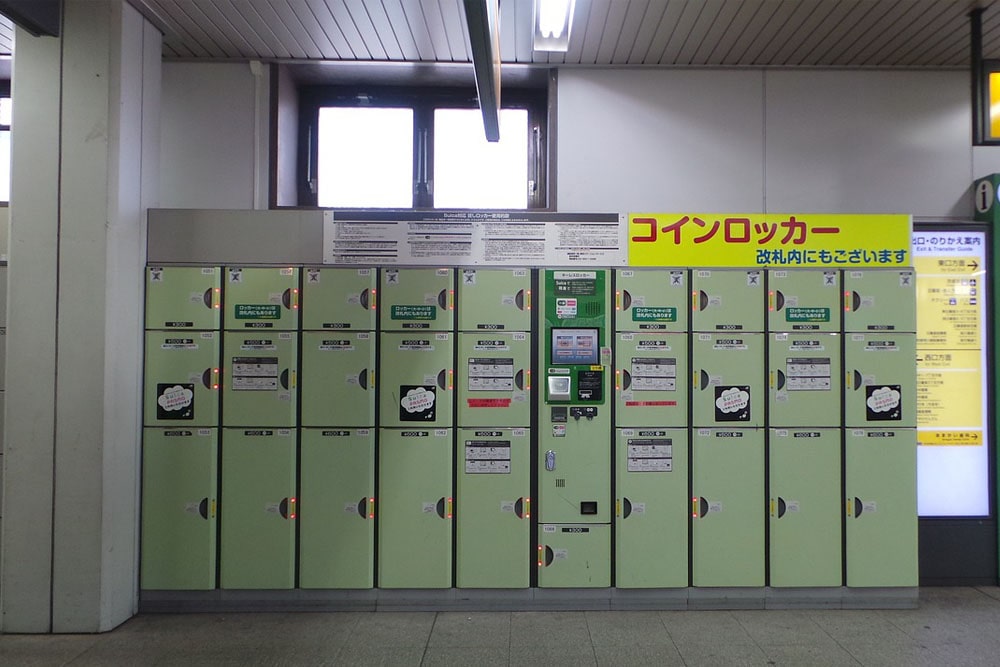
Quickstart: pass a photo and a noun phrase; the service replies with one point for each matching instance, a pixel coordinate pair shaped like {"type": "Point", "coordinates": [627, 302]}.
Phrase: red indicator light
{"type": "Point", "coordinates": [529, 299]}
{"type": "Point", "coordinates": [618, 300]}
{"type": "Point", "coordinates": [694, 300]}
{"type": "Point", "coordinates": [527, 515]}
{"type": "Point", "coordinates": [451, 299]}
{"type": "Point", "coordinates": [215, 386]}
{"type": "Point", "coordinates": [694, 515]}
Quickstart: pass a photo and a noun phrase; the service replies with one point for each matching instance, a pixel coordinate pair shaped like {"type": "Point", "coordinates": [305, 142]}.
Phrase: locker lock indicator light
{"type": "Point", "coordinates": [527, 385]}
{"type": "Point", "coordinates": [540, 559]}
{"type": "Point", "coordinates": [218, 299]}
{"type": "Point", "coordinates": [295, 298]}
{"type": "Point", "coordinates": [371, 508]}
{"type": "Point", "coordinates": [770, 300]}
{"type": "Point", "coordinates": [847, 301]}
{"type": "Point", "coordinates": [528, 300]}
{"type": "Point", "coordinates": [527, 508]}
{"type": "Point", "coordinates": [291, 506]}
{"type": "Point", "coordinates": [618, 300]}
{"type": "Point", "coordinates": [451, 379]}
{"type": "Point", "coordinates": [451, 299]}
{"type": "Point", "coordinates": [618, 379]}
{"type": "Point", "coordinates": [694, 300]}
{"type": "Point", "coordinates": [373, 299]}
{"type": "Point", "coordinates": [215, 375]}
{"type": "Point", "coordinates": [451, 508]}
{"type": "Point", "coordinates": [694, 507]}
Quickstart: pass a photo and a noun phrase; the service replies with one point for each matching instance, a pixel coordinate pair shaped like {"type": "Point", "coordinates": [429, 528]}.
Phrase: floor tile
{"type": "Point", "coordinates": [782, 628]}
{"type": "Point", "coordinates": [383, 656]}
{"type": "Point", "coordinates": [704, 626]}
{"type": "Point", "coordinates": [722, 655]}
{"type": "Point", "coordinates": [638, 656]}
{"type": "Point", "coordinates": [553, 655]}
{"type": "Point", "coordinates": [43, 650]}
{"type": "Point", "coordinates": [541, 628]}
{"type": "Point", "coordinates": [471, 629]}
{"type": "Point", "coordinates": [392, 628]}
{"type": "Point", "coordinates": [814, 656]}
{"type": "Point", "coordinates": [464, 657]}
{"type": "Point", "coordinates": [629, 628]}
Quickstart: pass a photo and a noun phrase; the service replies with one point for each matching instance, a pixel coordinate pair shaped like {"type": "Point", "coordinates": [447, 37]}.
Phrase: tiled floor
{"type": "Point", "coordinates": [952, 627]}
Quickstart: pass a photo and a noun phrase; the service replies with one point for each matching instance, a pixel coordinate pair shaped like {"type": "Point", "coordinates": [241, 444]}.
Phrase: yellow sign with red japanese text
{"type": "Point", "coordinates": [786, 240]}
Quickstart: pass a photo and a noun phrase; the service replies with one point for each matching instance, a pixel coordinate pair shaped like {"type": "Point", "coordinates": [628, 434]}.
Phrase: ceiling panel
{"type": "Point", "coordinates": [762, 33]}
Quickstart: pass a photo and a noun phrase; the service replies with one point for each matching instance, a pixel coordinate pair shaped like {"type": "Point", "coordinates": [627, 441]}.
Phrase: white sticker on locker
{"type": "Point", "coordinates": [520, 273]}
{"type": "Point", "coordinates": [560, 554]}
{"type": "Point", "coordinates": [430, 299]}
{"type": "Point", "coordinates": [196, 297]}
{"type": "Point", "coordinates": [442, 336]}
{"type": "Point", "coordinates": [440, 433]}
{"type": "Point", "coordinates": [273, 508]}
{"type": "Point", "coordinates": [208, 335]}
{"type": "Point", "coordinates": [791, 505]}
{"type": "Point", "coordinates": [626, 273]}
{"type": "Point", "coordinates": [365, 432]}
{"type": "Point", "coordinates": [429, 508]}
{"type": "Point", "coordinates": [520, 336]}
{"type": "Point", "coordinates": [704, 274]}
{"type": "Point", "coordinates": [559, 430]}
{"type": "Point", "coordinates": [518, 432]}
{"type": "Point", "coordinates": [275, 297]}
{"type": "Point", "coordinates": [869, 506]}
{"type": "Point", "coordinates": [507, 300]}
{"type": "Point", "coordinates": [626, 337]}
{"type": "Point", "coordinates": [284, 432]}
{"type": "Point", "coordinates": [638, 301]}
{"type": "Point", "coordinates": [704, 432]}
{"type": "Point", "coordinates": [519, 397]}
{"type": "Point", "coordinates": [507, 506]}
{"type": "Point", "coordinates": [285, 336]}
{"type": "Point", "coordinates": [193, 507]}
{"type": "Point", "coordinates": [548, 529]}
{"type": "Point", "coordinates": [351, 379]}
{"type": "Point", "coordinates": [628, 432]}
{"type": "Point", "coordinates": [430, 379]}
{"type": "Point", "coordinates": [443, 272]}
{"type": "Point", "coordinates": [780, 274]}
{"type": "Point", "coordinates": [208, 270]}
{"type": "Point", "coordinates": [351, 508]}
{"type": "Point", "coordinates": [638, 508]}
{"type": "Point", "coordinates": [194, 377]}
{"type": "Point", "coordinates": [857, 338]}
{"type": "Point", "coordinates": [714, 380]}
{"type": "Point", "coordinates": [868, 301]}
{"type": "Point", "coordinates": [284, 396]}
{"type": "Point", "coordinates": [204, 431]}
{"type": "Point", "coordinates": [627, 396]}
{"type": "Point", "coordinates": [791, 302]}
{"type": "Point", "coordinates": [782, 432]}
{"type": "Point", "coordinates": [714, 506]}
{"type": "Point", "coordinates": [858, 433]}
{"type": "Point", "coordinates": [364, 272]}
{"type": "Point", "coordinates": [704, 336]}
{"type": "Point", "coordinates": [286, 272]}
{"type": "Point", "coordinates": [714, 300]}
{"type": "Point", "coordinates": [235, 275]}
{"type": "Point", "coordinates": [857, 274]}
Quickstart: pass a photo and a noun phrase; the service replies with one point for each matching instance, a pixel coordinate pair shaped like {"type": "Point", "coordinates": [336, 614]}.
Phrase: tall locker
{"type": "Point", "coordinates": [258, 509]}
{"type": "Point", "coordinates": [415, 508]}
{"type": "Point", "coordinates": [728, 372]}
{"type": "Point", "coordinates": [260, 373]}
{"type": "Point", "coordinates": [804, 379]}
{"type": "Point", "coordinates": [804, 508]}
{"type": "Point", "coordinates": [727, 507]}
{"type": "Point", "coordinates": [179, 496]}
{"type": "Point", "coordinates": [337, 508]}
{"type": "Point", "coordinates": [881, 507]}
{"type": "Point", "coordinates": [651, 515]}
{"type": "Point", "coordinates": [493, 510]}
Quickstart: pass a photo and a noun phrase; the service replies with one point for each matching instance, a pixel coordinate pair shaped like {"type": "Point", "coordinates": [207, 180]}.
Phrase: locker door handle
{"type": "Point", "coordinates": [284, 379]}
{"type": "Point", "coordinates": [519, 379]}
{"type": "Point", "coordinates": [779, 300]}
{"type": "Point", "coordinates": [443, 380]}
{"type": "Point", "coordinates": [626, 299]}
{"type": "Point", "coordinates": [704, 380]}
{"type": "Point", "coordinates": [363, 509]}
{"type": "Point", "coordinates": [702, 300]}
{"type": "Point", "coordinates": [522, 508]}
{"type": "Point", "coordinates": [550, 460]}
{"type": "Point", "coordinates": [549, 556]}
{"type": "Point", "coordinates": [445, 508]}
{"type": "Point", "coordinates": [858, 379]}
{"type": "Point", "coordinates": [781, 507]}
{"type": "Point", "coordinates": [287, 508]}
{"type": "Point", "coordinates": [286, 298]}
{"type": "Point", "coordinates": [203, 508]}
{"type": "Point", "coordinates": [855, 301]}
{"type": "Point", "coordinates": [626, 380]}
{"type": "Point", "coordinates": [519, 299]}
{"type": "Point", "coordinates": [858, 507]}
{"type": "Point", "coordinates": [781, 380]}
{"type": "Point", "coordinates": [363, 379]}
{"type": "Point", "coordinates": [626, 508]}
{"type": "Point", "coordinates": [699, 507]}
{"type": "Point", "coordinates": [207, 298]}
{"type": "Point", "coordinates": [364, 298]}
{"type": "Point", "coordinates": [443, 299]}
{"type": "Point", "coordinates": [206, 378]}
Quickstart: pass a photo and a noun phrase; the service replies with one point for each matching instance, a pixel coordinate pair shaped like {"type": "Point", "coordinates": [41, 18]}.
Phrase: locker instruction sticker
{"type": "Point", "coordinates": [491, 374]}
{"type": "Point", "coordinates": [258, 311]}
{"type": "Point", "coordinates": [800, 315]}
{"type": "Point", "coordinates": [255, 374]}
{"type": "Point", "coordinates": [653, 374]}
{"type": "Point", "coordinates": [649, 455]}
{"type": "Point", "coordinates": [653, 314]}
{"type": "Point", "coordinates": [808, 374]}
{"type": "Point", "coordinates": [414, 312]}
{"type": "Point", "coordinates": [417, 403]}
{"type": "Point", "coordinates": [175, 401]}
{"type": "Point", "coordinates": [179, 344]}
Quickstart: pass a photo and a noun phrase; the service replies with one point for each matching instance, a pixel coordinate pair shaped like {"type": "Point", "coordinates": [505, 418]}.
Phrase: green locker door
{"type": "Point", "coordinates": [881, 469]}
{"type": "Point", "coordinates": [651, 517]}
{"type": "Point", "coordinates": [417, 300]}
{"type": "Point", "coordinates": [178, 509]}
{"type": "Point", "coordinates": [494, 379]}
{"type": "Point", "coordinates": [727, 528]}
{"type": "Point", "coordinates": [804, 506]}
{"type": "Point", "coordinates": [415, 508]}
{"type": "Point", "coordinates": [258, 509]}
{"type": "Point", "coordinates": [651, 300]}
{"type": "Point", "coordinates": [574, 471]}
{"type": "Point", "coordinates": [494, 299]}
{"type": "Point", "coordinates": [259, 378]}
{"type": "Point", "coordinates": [416, 379]}
{"type": "Point", "coordinates": [728, 374]}
{"type": "Point", "coordinates": [338, 299]}
{"type": "Point", "coordinates": [183, 297]}
{"type": "Point", "coordinates": [727, 300]}
{"type": "Point", "coordinates": [574, 555]}
{"type": "Point", "coordinates": [804, 379]}
{"type": "Point", "coordinates": [182, 378]}
{"type": "Point", "coordinates": [880, 300]}
{"type": "Point", "coordinates": [803, 300]}
{"type": "Point", "coordinates": [493, 508]}
{"type": "Point", "coordinates": [337, 508]}
{"type": "Point", "coordinates": [880, 385]}
{"type": "Point", "coordinates": [338, 378]}
{"type": "Point", "coordinates": [262, 299]}
{"type": "Point", "coordinates": [651, 379]}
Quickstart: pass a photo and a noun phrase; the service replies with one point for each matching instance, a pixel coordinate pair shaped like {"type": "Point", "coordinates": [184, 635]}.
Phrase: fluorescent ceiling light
{"type": "Point", "coordinates": [552, 20]}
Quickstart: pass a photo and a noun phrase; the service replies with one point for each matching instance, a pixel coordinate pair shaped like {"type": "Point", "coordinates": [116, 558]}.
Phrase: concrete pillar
{"type": "Point", "coordinates": [85, 156]}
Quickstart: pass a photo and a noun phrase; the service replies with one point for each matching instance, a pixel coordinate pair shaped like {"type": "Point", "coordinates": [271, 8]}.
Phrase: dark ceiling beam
{"type": "Point", "coordinates": [39, 17]}
{"type": "Point", "coordinates": [483, 20]}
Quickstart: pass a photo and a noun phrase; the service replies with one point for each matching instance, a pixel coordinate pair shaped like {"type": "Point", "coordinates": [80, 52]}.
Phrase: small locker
{"type": "Point", "coordinates": [182, 378]}
{"type": "Point", "coordinates": [259, 378]}
{"type": "Point", "coordinates": [880, 300]}
{"type": "Point", "coordinates": [417, 300]}
{"type": "Point", "coordinates": [651, 300]}
{"type": "Point", "coordinates": [494, 299]}
{"type": "Point", "coordinates": [804, 379]}
{"type": "Point", "coordinates": [803, 300]}
{"type": "Point", "coordinates": [494, 379]}
{"type": "Point", "coordinates": [338, 378]}
{"type": "Point", "coordinates": [728, 374]}
{"type": "Point", "coordinates": [262, 299]}
{"type": "Point", "coordinates": [416, 382]}
{"type": "Point", "coordinates": [183, 297]}
{"type": "Point", "coordinates": [574, 555]}
{"type": "Point", "coordinates": [727, 300]}
{"type": "Point", "coordinates": [651, 372]}
{"type": "Point", "coordinates": [335, 299]}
